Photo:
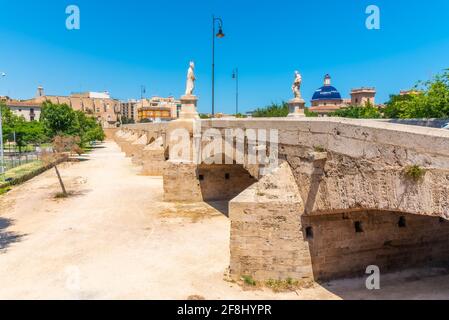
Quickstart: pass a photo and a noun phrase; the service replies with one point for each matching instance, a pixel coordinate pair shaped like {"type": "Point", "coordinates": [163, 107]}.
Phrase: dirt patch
{"type": "Point", "coordinates": [194, 212]}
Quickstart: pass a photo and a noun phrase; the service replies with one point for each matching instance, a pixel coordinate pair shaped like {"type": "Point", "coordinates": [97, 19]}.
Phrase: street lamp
{"type": "Point", "coordinates": [219, 35]}
{"type": "Point", "coordinates": [235, 75]}
{"type": "Point", "coordinates": [2, 161]}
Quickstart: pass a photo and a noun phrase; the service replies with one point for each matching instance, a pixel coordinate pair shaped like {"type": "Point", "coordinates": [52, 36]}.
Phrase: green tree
{"type": "Point", "coordinates": [368, 111]}
{"type": "Point", "coordinates": [272, 111]}
{"type": "Point", "coordinates": [24, 132]}
{"type": "Point", "coordinates": [9, 120]}
{"type": "Point", "coordinates": [58, 119]}
{"type": "Point", "coordinates": [310, 114]}
{"type": "Point", "coordinates": [88, 129]}
{"type": "Point", "coordinates": [429, 99]}
{"type": "Point", "coordinates": [61, 120]}
{"type": "Point", "coordinates": [126, 120]}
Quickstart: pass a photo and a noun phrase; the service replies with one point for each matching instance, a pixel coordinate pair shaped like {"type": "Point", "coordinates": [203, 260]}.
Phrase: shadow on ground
{"type": "Point", "coordinates": [7, 238]}
{"type": "Point", "coordinates": [410, 284]}
{"type": "Point", "coordinates": [221, 206]}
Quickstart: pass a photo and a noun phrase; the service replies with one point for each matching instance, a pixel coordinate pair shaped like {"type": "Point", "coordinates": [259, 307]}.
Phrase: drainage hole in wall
{"type": "Point", "coordinates": [309, 233]}
{"type": "Point", "coordinates": [402, 223]}
{"type": "Point", "coordinates": [358, 227]}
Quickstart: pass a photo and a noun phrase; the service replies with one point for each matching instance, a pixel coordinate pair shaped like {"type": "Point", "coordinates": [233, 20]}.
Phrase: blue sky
{"type": "Point", "coordinates": [124, 44]}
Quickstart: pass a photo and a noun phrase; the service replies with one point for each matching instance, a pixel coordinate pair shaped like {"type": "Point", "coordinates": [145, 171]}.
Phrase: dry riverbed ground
{"type": "Point", "coordinates": [116, 239]}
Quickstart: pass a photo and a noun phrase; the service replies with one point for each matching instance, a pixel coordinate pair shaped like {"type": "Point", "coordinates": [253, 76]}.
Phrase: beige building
{"type": "Point", "coordinates": [98, 104]}
{"type": "Point", "coordinates": [362, 96]}
{"type": "Point", "coordinates": [412, 92]}
{"type": "Point", "coordinates": [158, 108]}
{"type": "Point", "coordinates": [28, 110]}
{"type": "Point", "coordinates": [128, 110]}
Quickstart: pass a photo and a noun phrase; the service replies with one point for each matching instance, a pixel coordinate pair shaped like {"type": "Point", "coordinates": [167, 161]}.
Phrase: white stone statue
{"type": "Point", "coordinates": [296, 87]}
{"type": "Point", "coordinates": [190, 79]}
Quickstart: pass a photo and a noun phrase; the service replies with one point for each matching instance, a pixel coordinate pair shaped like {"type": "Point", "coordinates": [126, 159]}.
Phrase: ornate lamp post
{"type": "Point", "coordinates": [219, 35]}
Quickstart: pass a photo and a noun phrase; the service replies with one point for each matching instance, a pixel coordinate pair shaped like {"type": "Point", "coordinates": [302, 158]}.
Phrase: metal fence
{"type": "Point", "coordinates": [13, 159]}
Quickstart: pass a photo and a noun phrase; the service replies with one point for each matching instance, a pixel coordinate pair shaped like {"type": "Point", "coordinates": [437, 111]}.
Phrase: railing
{"type": "Point", "coordinates": [13, 158]}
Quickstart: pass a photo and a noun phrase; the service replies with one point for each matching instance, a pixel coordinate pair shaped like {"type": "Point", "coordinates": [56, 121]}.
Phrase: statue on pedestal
{"type": "Point", "coordinates": [297, 104]}
{"type": "Point", "coordinates": [190, 79]}
{"type": "Point", "coordinates": [296, 87]}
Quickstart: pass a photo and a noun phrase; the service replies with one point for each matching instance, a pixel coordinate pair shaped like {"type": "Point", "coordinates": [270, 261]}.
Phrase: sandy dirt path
{"type": "Point", "coordinates": [116, 239]}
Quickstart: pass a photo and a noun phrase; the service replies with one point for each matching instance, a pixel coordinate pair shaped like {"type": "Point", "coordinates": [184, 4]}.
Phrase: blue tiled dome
{"type": "Point", "coordinates": [326, 92]}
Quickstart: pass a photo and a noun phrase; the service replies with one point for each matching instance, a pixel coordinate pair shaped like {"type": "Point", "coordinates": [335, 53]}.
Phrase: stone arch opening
{"type": "Point", "coordinates": [345, 244]}
{"type": "Point", "coordinates": [220, 183]}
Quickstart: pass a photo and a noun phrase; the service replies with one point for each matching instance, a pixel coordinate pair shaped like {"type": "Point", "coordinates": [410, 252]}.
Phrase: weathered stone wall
{"type": "Point", "coordinates": [388, 240]}
{"type": "Point", "coordinates": [267, 239]}
{"type": "Point", "coordinates": [431, 123]}
{"type": "Point", "coordinates": [181, 183]}
{"type": "Point", "coordinates": [153, 158]}
{"type": "Point", "coordinates": [223, 182]}
{"type": "Point", "coordinates": [364, 165]}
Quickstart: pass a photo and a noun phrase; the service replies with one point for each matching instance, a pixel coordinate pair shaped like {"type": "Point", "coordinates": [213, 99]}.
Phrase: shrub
{"type": "Point", "coordinates": [249, 281]}
{"type": "Point", "coordinates": [415, 172]}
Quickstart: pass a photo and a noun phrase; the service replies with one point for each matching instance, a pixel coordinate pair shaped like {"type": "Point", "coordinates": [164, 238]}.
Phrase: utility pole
{"type": "Point", "coordinates": [235, 75]}
{"type": "Point", "coordinates": [2, 159]}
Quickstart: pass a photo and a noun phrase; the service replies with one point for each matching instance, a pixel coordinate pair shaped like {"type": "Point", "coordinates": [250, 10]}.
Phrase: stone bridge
{"type": "Point", "coordinates": [345, 194]}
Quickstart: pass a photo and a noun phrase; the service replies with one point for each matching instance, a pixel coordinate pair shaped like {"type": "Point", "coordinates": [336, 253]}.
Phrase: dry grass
{"type": "Point", "coordinates": [22, 170]}
{"type": "Point", "coordinates": [288, 285]}
{"type": "Point", "coordinates": [194, 212]}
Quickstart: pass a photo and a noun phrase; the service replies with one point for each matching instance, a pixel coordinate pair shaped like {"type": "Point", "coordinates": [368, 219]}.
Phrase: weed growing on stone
{"type": "Point", "coordinates": [249, 281]}
{"type": "Point", "coordinates": [288, 284]}
{"type": "Point", "coordinates": [319, 149]}
{"type": "Point", "coordinates": [415, 172]}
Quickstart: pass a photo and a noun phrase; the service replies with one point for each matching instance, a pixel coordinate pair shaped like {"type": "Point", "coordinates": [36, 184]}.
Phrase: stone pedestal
{"type": "Point", "coordinates": [188, 107]}
{"type": "Point", "coordinates": [296, 108]}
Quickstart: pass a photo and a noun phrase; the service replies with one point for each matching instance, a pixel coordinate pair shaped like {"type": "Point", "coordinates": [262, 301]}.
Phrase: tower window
{"type": "Point", "coordinates": [402, 223]}
{"type": "Point", "coordinates": [358, 227]}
